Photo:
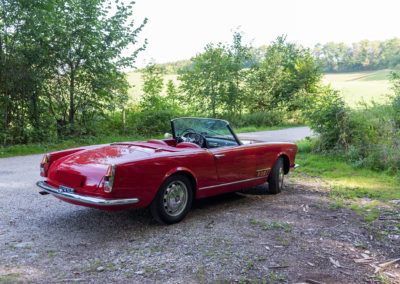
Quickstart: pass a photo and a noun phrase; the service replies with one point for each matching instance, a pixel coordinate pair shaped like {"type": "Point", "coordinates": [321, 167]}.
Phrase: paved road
{"type": "Point", "coordinates": [282, 135]}
{"type": "Point", "coordinates": [32, 225]}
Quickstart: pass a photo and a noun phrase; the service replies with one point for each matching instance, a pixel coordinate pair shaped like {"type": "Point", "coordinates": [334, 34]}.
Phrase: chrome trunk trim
{"type": "Point", "coordinates": [84, 198]}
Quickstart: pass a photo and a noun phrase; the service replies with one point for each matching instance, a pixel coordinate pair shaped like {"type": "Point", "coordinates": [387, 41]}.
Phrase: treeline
{"type": "Point", "coordinates": [60, 66]}
{"type": "Point", "coordinates": [360, 56]}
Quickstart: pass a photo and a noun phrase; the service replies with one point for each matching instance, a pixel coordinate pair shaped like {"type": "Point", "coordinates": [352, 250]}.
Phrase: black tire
{"type": "Point", "coordinates": [173, 200]}
{"type": "Point", "coordinates": [276, 177]}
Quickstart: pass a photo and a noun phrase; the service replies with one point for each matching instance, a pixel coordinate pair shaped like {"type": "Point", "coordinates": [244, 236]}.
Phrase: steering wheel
{"type": "Point", "coordinates": [188, 130]}
{"type": "Point", "coordinates": [195, 138]}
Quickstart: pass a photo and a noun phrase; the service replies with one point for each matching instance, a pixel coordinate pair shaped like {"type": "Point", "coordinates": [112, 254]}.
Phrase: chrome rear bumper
{"type": "Point", "coordinates": [84, 198]}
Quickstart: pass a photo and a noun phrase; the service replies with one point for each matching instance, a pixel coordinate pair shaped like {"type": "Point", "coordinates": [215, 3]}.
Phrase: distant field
{"type": "Point", "coordinates": [357, 86]}
{"type": "Point", "coordinates": [135, 79]}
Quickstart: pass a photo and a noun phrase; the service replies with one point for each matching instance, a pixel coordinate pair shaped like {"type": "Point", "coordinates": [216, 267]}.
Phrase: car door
{"type": "Point", "coordinates": [232, 163]}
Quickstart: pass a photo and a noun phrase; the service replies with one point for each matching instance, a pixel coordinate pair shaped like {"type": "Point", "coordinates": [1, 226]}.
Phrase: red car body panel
{"type": "Point", "coordinates": [142, 167]}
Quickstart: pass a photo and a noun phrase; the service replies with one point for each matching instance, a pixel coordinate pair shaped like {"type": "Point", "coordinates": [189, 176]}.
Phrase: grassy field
{"type": "Point", "coordinates": [361, 86]}
{"type": "Point", "coordinates": [135, 79]}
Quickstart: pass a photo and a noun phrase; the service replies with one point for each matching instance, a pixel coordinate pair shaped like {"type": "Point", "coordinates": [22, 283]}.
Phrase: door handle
{"type": "Point", "coordinates": [217, 156]}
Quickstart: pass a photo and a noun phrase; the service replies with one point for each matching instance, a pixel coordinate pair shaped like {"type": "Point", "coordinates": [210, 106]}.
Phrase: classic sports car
{"type": "Point", "coordinates": [204, 157]}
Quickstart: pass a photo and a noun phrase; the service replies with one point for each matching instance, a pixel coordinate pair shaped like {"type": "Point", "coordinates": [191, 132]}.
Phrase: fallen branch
{"type": "Point", "coordinates": [382, 265]}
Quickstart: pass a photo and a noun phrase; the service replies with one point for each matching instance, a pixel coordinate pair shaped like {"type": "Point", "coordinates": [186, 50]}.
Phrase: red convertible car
{"type": "Point", "coordinates": [203, 158]}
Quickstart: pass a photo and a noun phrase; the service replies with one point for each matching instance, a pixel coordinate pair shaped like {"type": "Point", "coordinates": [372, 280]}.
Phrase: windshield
{"type": "Point", "coordinates": [216, 132]}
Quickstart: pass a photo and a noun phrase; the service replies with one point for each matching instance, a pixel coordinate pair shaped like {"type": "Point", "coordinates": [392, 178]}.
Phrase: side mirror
{"type": "Point", "coordinates": [167, 135]}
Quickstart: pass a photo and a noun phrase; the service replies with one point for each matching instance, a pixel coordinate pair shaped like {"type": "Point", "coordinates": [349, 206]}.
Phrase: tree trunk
{"type": "Point", "coordinates": [71, 95]}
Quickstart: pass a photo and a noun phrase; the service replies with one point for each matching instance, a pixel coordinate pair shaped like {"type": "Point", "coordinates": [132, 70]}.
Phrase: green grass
{"type": "Point", "coordinates": [361, 86]}
{"type": "Point", "coordinates": [135, 80]}
{"type": "Point", "coordinates": [345, 180]}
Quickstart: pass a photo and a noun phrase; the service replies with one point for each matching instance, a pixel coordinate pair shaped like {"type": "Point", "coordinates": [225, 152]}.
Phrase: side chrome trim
{"type": "Point", "coordinates": [230, 183]}
{"type": "Point", "coordinates": [262, 170]}
{"type": "Point", "coordinates": [84, 198]}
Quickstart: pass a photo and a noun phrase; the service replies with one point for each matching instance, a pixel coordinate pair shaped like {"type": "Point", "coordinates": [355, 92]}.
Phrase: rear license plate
{"type": "Point", "coordinates": [63, 188]}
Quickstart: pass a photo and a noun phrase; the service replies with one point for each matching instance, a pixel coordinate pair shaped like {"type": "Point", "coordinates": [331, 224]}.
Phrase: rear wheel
{"type": "Point", "coordinates": [173, 200]}
{"type": "Point", "coordinates": [276, 177]}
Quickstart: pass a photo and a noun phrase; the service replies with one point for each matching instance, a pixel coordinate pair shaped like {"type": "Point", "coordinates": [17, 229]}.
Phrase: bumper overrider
{"type": "Point", "coordinates": [85, 198]}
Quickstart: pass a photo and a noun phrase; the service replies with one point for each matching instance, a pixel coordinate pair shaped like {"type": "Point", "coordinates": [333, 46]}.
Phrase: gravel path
{"type": "Point", "coordinates": [290, 237]}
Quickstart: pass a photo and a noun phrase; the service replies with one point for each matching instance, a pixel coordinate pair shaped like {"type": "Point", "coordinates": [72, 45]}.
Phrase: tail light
{"type": "Point", "coordinates": [44, 165]}
{"type": "Point", "coordinates": [109, 178]}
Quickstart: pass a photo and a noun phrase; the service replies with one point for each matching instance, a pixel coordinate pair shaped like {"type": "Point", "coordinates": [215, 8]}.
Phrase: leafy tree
{"type": "Point", "coordinates": [153, 85]}
{"type": "Point", "coordinates": [61, 58]}
{"type": "Point", "coordinates": [172, 93]}
{"type": "Point", "coordinates": [88, 39]}
{"type": "Point", "coordinates": [239, 56]}
{"type": "Point", "coordinates": [206, 83]}
{"type": "Point", "coordinates": [283, 79]}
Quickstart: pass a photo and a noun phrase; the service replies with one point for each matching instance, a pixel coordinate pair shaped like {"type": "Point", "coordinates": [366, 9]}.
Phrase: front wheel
{"type": "Point", "coordinates": [276, 177]}
{"type": "Point", "coordinates": [173, 200]}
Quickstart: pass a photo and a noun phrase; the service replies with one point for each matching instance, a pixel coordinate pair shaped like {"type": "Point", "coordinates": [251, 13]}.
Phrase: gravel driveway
{"type": "Point", "coordinates": [291, 237]}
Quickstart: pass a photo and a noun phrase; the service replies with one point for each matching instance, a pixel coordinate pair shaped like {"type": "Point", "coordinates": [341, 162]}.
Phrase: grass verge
{"type": "Point", "coordinates": [345, 180]}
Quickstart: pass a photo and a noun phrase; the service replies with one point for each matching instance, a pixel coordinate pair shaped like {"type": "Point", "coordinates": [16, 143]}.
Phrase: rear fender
{"type": "Point", "coordinates": [180, 169]}
{"type": "Point", "coordinates": [286, 160]}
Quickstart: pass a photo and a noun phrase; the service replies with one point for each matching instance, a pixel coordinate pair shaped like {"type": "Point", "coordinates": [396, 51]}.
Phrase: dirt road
{"type": "Point", "coordinates": [291, 237]}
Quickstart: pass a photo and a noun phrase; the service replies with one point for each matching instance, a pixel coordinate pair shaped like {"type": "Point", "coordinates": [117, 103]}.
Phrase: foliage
{"type": "Point", "coordinates": [61, 65]}
{"type": "Point", "coordinates": [396, 99]}
{"type": "Point", "coordinates": [257, 119]}
{"type": "Point", "coordinates": [156, 110]}
{"type": "Point", "coordinates": [206, 83]}
{"type": "Point", "coordinates": [366, 136]}
{"type": "Point", "coordinates": [283, 79]}
{"type": "Point", "coordinates": [215, 81]}
{"type": "Point", "coordinates": [329, 117]}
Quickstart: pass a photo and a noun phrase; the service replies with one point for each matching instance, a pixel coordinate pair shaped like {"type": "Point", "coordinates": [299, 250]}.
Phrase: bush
{"type": "Point", "coordinates": [329, 117]}
{"type": "Point", "coordinates": [367, 136]}
{"type": "Point", "coordinates": [257, 119]}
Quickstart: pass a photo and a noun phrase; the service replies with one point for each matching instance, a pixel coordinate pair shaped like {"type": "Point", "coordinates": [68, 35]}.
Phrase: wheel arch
{"type": "Point", "coordinates": [185, 172]}
{"type": "Point", "coordinates": [286, 162]}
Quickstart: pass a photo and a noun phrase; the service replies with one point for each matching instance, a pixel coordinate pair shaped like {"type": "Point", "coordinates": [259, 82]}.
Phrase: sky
{"type": "Point", "coordinates": [179, 29]}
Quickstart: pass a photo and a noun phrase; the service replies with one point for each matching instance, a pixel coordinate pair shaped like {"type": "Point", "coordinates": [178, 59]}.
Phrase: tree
{"type": "Point", "coordinates": [283, 79]}
{"type": "Point", "coordinates": [153, 85]}
{"type": "Point", "coordinates": [239, 56]}
{"type": "Point", "coordinates": [88, 39]}
{"type": "Point", "coordinates": [62, 58]}
{"type": "Point", "coordinates": [206, 83]}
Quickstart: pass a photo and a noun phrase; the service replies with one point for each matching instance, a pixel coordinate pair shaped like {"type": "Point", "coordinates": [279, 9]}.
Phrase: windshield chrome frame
{"type": "Point", "coordinates": [227, 125]}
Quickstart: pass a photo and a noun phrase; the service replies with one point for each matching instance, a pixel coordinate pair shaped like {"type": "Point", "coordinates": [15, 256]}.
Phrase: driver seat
{"type": "Point", "coordinates": [187, 145]}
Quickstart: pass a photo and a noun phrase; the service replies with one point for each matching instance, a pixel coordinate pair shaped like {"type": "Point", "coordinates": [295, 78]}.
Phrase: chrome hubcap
{"type": "Point", "coordinates": [281, 176]}
{"type": "Point", "coordinates": [175, 198]}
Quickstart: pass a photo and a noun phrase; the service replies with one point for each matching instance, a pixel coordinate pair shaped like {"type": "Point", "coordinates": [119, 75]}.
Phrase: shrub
{"type": "Point", "coordinates": [366, 136]}
{"type": "Point", "coordinates": [329, 117]}
{"type": "Point", "coordinates": [257, 119]}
